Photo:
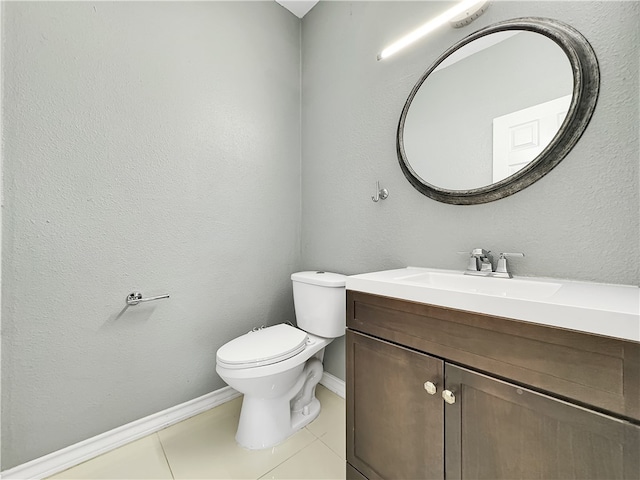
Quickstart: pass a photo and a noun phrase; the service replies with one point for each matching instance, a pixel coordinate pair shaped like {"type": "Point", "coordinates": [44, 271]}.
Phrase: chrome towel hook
{"type": "Point", "coordinates": [381, 193]}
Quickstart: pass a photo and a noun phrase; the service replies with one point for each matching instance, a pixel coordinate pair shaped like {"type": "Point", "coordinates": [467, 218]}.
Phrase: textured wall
{"type": "Point", "coordinates": [581, 221]}
{"type": "Point", "coordinates": [151, 146]}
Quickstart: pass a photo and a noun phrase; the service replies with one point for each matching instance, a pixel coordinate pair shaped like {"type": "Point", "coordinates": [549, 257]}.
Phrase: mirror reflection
{"type": "Point", "coordinates": [488, 110]}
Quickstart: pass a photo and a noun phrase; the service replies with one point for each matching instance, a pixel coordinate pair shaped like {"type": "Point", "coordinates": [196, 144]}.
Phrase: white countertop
{"type": "Point", "coordinates": [602, 309]}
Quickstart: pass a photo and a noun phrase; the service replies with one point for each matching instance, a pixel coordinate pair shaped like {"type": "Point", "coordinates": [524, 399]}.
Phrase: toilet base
{"type": "Point", "coordinates": [265, 423]}
{"type": "Point", "coordinates": [301, 419]}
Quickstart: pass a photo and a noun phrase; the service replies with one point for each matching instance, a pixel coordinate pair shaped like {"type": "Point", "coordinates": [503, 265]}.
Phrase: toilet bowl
{"type": "Point", "coordinates": [277, 368]}
{"type": "Point", "coordinates": [268, 415]}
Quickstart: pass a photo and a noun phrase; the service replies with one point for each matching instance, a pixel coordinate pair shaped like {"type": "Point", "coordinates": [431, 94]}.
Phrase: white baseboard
{"type": "Point", "coordinates": [334, 384]}
{"type": "Point", "coordinates": [86, 450]}
{"type": "Point", "coordinates": [81, 452]}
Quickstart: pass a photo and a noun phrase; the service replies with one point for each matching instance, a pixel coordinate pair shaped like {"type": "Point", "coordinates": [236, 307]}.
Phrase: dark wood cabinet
{"type": "Point", "coordinates": [497, 430]}
{"type": "Point", "coordinates": [508, 419]}
{"type": "Point", "coordinates": [395, 427]}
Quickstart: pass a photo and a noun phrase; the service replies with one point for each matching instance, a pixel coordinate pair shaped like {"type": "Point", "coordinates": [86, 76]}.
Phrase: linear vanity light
{"type": "Point", "coordinates": [459, 15]}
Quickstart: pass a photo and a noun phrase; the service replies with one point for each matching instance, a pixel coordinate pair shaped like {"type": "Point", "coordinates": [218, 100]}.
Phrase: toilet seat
{"type": "Point", "coordinates": [262, 347]}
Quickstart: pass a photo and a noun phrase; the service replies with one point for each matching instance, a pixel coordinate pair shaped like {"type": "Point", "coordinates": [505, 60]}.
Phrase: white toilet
{"type": "Point", "coordinates": [277, 368]}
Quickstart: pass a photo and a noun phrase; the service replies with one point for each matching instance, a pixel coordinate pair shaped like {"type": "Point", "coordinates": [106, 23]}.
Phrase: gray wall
{"type": "Point", "coordinates": [579, 222]}
{"type": "Point", "coordinates": [151, 146]}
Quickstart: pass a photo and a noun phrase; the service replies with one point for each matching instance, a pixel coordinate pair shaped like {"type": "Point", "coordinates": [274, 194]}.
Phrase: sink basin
{"type": "Point", "coordinates": [611, 310]}
{"type": "Point", "coordinates": [501, 287]}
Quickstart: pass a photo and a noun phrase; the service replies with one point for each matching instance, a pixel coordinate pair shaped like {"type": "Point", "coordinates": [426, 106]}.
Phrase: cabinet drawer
{"type": "Point", "coordinates": [598, 371]}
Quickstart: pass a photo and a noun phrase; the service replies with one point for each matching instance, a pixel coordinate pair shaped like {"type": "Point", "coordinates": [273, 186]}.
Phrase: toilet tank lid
{"type": "Point", "coordinates": [325, 279]}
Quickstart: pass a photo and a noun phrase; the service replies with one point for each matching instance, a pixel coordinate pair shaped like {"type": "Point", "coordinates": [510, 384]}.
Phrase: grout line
{"type": "Point", "coordinates": [288, 458]}
{"type": "Point", "coordinates": [307, 429]}
{"type": "Point", "coordinates": [166, 459]}
{"type": "Point", "coordinates": [331, 448]}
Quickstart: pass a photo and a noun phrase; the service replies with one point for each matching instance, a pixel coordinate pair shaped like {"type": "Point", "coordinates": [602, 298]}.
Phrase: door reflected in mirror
{"type": "Point", "coordinates": [488, 110]}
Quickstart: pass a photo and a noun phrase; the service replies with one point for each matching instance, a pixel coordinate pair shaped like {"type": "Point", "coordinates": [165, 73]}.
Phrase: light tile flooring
{"type": "Point", "coordinates": [204, 447]}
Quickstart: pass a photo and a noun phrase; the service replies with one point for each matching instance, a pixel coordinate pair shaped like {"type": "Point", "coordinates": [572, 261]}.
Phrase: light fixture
{"type": "Point", "coordinates": [459, 15]}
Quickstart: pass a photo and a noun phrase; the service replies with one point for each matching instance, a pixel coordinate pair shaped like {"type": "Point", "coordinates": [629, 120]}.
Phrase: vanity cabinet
{"type": "Point", "coordinates": [522, 400]}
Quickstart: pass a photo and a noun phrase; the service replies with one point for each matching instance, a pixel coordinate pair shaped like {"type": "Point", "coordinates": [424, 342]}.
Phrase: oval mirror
{"type": "Point", "coordinates": [498, 110]}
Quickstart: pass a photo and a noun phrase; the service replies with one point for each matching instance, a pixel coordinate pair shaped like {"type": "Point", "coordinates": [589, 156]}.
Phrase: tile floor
{"type": "Point", "coordinates": [204, 447]}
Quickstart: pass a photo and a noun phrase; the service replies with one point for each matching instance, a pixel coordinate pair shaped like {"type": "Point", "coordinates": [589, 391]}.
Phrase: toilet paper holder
{"type": "Point", "coordinates": [134, 298]}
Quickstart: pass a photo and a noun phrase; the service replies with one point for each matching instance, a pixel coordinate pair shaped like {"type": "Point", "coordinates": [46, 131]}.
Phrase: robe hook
{"type": "Point", "coordinates": [381, 193]}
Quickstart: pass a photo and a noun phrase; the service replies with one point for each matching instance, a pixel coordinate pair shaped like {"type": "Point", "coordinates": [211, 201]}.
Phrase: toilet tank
{"type": "Point", "coordinates": [320, 303]}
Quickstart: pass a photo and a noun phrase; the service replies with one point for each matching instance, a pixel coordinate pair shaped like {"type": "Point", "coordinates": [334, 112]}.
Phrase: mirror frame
{"type": "Point", "coordinates": [586, 86]}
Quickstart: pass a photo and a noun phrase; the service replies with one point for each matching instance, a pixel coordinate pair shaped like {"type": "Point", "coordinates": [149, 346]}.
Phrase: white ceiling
{"type": "Point", "coordinates": [298, 7]}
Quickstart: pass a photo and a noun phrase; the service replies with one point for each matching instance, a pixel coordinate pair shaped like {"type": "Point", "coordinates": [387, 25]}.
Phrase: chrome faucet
{"type": "Point", "coordinates": [481, 263]}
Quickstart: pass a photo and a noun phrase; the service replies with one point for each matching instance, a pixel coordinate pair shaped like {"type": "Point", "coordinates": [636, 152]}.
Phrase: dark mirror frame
{"type": "Point", "coordinates": [586, 85]}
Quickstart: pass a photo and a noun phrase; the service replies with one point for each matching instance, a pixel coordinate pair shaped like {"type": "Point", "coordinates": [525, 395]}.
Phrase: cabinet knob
{"type": "Point", "coordinates": [430, 387]}
{"type": "Point", "coordinates": [449, 397]}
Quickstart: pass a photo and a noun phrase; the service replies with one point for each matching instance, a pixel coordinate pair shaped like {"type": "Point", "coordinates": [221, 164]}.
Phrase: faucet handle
{"type": "Point", "coordinates": [480, 252]}
{"type": "Point", "coordinates": [473, 265]}
{"type": "Point", "coordinates": [502, 270]}
{"type": "Point", "coordinates": [516, 254]}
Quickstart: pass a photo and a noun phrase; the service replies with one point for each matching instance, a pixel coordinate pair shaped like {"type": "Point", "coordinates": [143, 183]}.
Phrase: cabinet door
{"type": "Point", "coordinates": [496, 430]}
{"type": "Point", "coordinates": [353, 474]}
{"type": "Point", "coordinates": [394, 425]}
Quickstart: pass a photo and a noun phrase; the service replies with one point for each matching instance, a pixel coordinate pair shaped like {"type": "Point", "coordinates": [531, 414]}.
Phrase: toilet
{"type": "Point", "coordinates": [277, 368]}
